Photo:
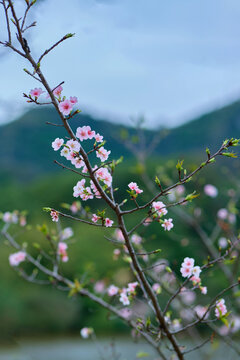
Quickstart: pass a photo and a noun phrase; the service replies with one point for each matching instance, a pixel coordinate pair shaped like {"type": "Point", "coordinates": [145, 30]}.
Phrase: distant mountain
{"type": "Point", "coordinates": [26, 143]}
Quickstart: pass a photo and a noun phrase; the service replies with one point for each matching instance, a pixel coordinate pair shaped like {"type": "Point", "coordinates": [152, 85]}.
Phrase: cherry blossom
{"type": "Point", "coordinates": [222, 243]}
{"type": "Point", "coordinates": [196, 271]}
{"type": "Point", "coordinates": [65, 152]}
{"type": "Point", "coordinates": [99, 287]}
{"type": "Point", "coordinates": [124, 298]}
{"type": "Point", "coordinates": [66, 233]}
{"type": "Point", "coordinates": [55, 216]}
{"type": "Point", "coordinates": [203, 290]}
{"type": "Point", "coordinates": [65, 107]}
{"type": "Point", "coordinates": [77, 162]}
{"type": "Point", "coordinates": [10, 217]}
{"type": "Point", "coordinates": [73, 100]}
{"type": "Point", "coordinates": [211, 190]}
{"type": "Point", "coordinates": [156, 288]}
{"type": "Point", "coordinates": [62, 247]}
{"type": "Point", "coordinates": [85, 133]}
{"type": "Point", "coordinates": [188, 261]}
{"type": "Point", "coordinates": [75, 207]}
{"type": "Point", "coordinates": [16, 258]}
{"type": "Point", "coordinates": [136, 239]}
{"type": "Point", "coordinates": [159, 207]}
{"type": "Point", "coordinates": [119, 235]}
{"type": "Point", "coordinates": [222, 214]}
{"type": "Point", "coordinates": [134, 187]}
{"type": "Point", "coordinates": [86, 332]}
{"type": "Point", "coordinates": [57, 143]}
{"type": "Point", "coordinates": [220, 309]}
{"type": "Point", "coordinates": [167, 224]}
{"type": "Point", "coordinates": [104, 175]}
{"type": "Point", "coordinates": [95, 218]}
{"type": "Point", "coordinates": [126, 313]}
{"type": "Point", "coordinates": [112, 290]}
{"type": "Point", "coordinates": [73, 145]}
{"type": "Point", "coordinates": [116, 253]}
{"type": "Point", "coordinates": [36, 92]}
{"type": "Point", "coordinates": [108, 222]}
{"type": "Point", "coordinates": [57, 91]}
{"type": "Point", "coordinates": [98, 138]}
{"type": "Point", "coordinates": [131, 287]}
{"type": "Point", "coordinates": [102, 154]}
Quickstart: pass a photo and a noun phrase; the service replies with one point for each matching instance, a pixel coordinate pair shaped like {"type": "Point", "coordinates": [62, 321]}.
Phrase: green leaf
{"type": "Point", "coordinates": [142, 354]}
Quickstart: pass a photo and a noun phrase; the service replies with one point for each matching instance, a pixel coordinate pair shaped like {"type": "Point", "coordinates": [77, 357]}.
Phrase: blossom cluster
{"type": "Point", "coordinates": [188, 270]}
{"type": "Point", "coordinates": [16, 258]}
{"type": "Point", "coordinates": [125, 294]}
{"type": "Point", "coordinates": [62, 251]}
{"type": "Point", "coordinates": [14, 218]}
{"type": "Point", "coordinates": [159, 210]}
{"type": "Point", "coordinates": [220, 309]}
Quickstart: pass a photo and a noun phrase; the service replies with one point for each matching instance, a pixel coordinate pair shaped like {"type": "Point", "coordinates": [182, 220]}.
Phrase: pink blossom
{"type": "Point", "coordinates": [232, 218]}
{"type": "Point", "coordinates": [99, 287]}
{"type": "Point", "coordinates": [211, 190]}
{"type": "Point", "coordinates": [167, 224]}
{"type": "Point", "coordinates": [136, 239]}
{"type": "Point", "coordinates": [134, 187]}
{"type": "Point", "coordinates": [57, 91]}
{"type": "Point", "coordinates": [200, 311]}
{"type": "Point", "coordinates": [22, 220]}
{"type": "Point", "coordinates": [95, 190]}
{"type": "Point", "coordinates": [125, 313]}
{"type": "Point", "coordinates": [85, 133]}
{"type": "Point", "coordinates": [104, 175]}
{"type": "Point", "coordinates": [187, 296]}
{"type": "Point", "coordinates": [77, 162]}
{"type": "Point", "coordinates": [124, 298]}
{"type": "Point", "coordinates": [119, 235]}
{"type": "Point", "coordinates": [159, 207]}
{"type": "Point", "coordinates": [220, 309]}
{"type": "Point", "coordinates": [10, 217]}
{"type": "Point", "coordinates": [222, 214]}
{"type": "Point", "coordinates": [86, 332]}
{"type": "Point", "coordinates": [203, 290]}
{"type": "Point", "coordinates": [102, 154]}
{"type": "Point", "coordinates": [98, 138]}
{"type": "Point", "coordinates": [36, 92]}
{"type": "Point", "coordinates": [116, 253]}
{"type": "Point", "coordinates": [78, 188]}
{"type": "Point", "coordinates": [112, 290]}
{"type": "Point", "coordinates": [16, 258]}
{"type": "Point", "coordinates": [195, 280]}
{"type": "Point", "coordinates": [66, 233]}
{"type": "Point", "coordinates": [131, 287]}
{"type": "Point", "coordinates": [196, 271]}
{"type": "Point", "coordinates": [108, 222]}
{"type": "Point", "coordinates": [186, 271]}
{"type": "Point", "coordinates": [55, 216]}
{"type": "Point", "coordinates": [65, 152]}
{"type": "Point", "coordinates": [65, 107]}
{"type": "Point", "coordinates": [57, 143]}
{"type": "Point", "coordinates": [188, 261]}
{"type": "Point", "coordinates": [95, 218]}
{"type": "Point", "coordinates": [147, 221]}
{"type": "Point", "coordinates": [62, 247]}
{"type": "Point", "coordinates": [73, 145]}
{"type": "Point", "coordinates": [75, 207]}
{"type": "Point", "coordinates": [156, 288]}
{"type": "Point", "coordinates": [222, 242]}
{"type": "Point", "coordinates": [73, 100]}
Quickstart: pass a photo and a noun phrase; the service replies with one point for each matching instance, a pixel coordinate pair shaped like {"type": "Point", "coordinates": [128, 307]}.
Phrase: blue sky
{"type": "Point", "coordinates": [168, 60]}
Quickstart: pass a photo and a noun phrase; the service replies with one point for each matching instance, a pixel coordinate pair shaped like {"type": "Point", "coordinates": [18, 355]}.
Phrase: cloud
{"type": "Point", "coordinates": [167, 60]}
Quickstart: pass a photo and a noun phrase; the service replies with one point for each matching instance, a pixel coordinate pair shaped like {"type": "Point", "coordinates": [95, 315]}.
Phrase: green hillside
{"type": "Point", "coordinates": [26, 143]}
